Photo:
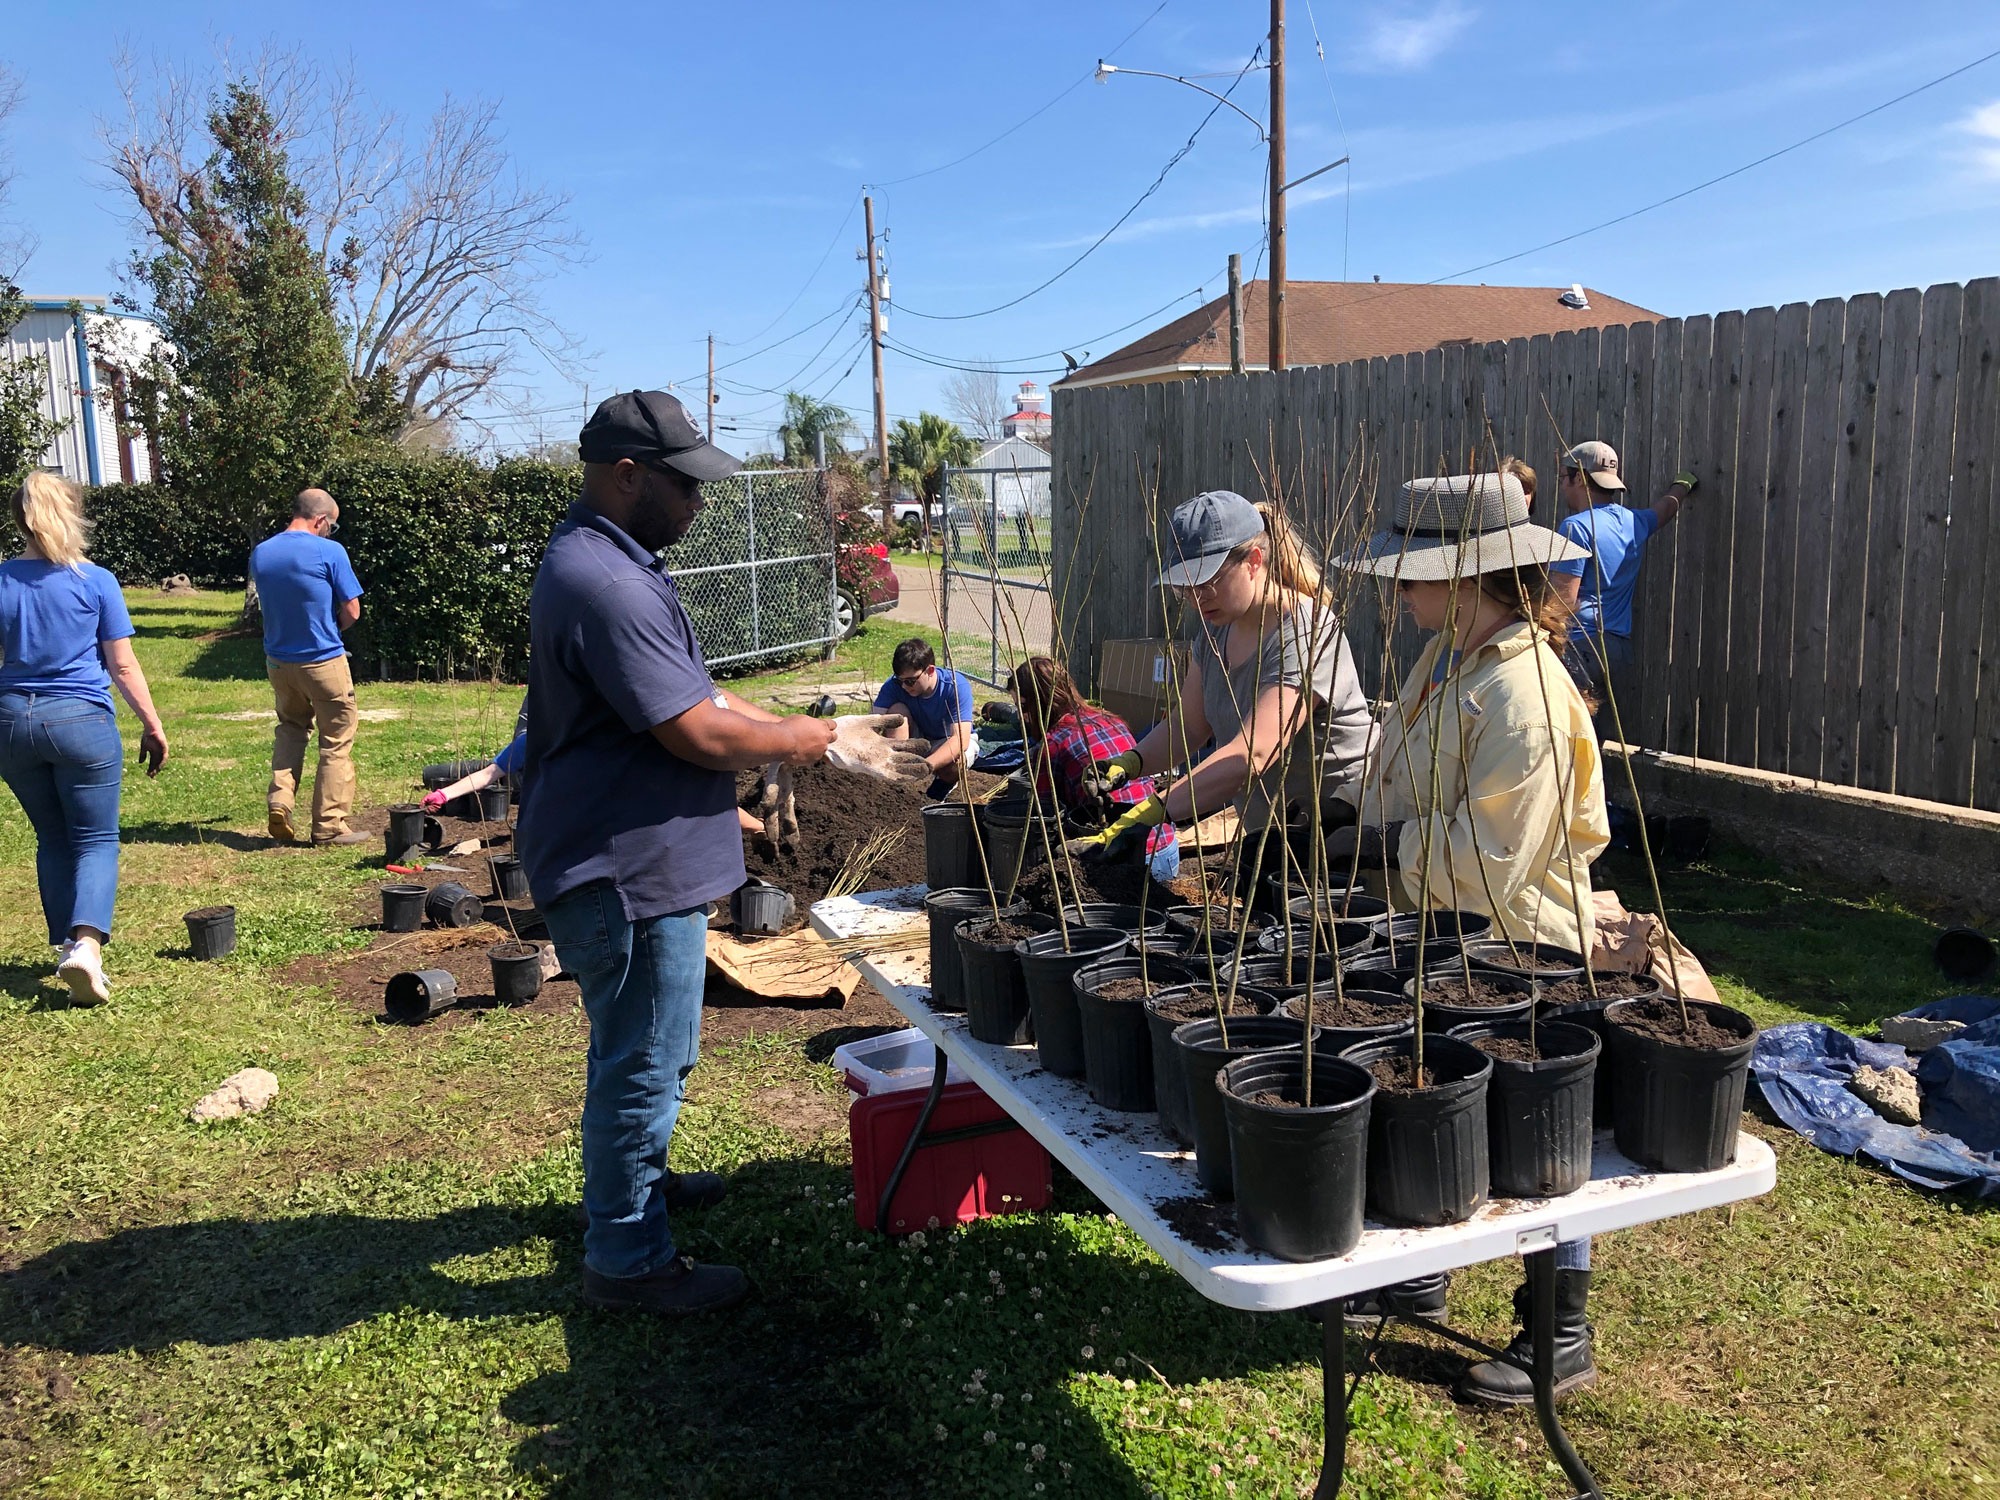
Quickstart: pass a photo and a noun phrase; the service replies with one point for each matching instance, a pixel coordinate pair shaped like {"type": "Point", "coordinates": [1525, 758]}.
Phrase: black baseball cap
{"type": "Point", "coordinates": [652, 427]}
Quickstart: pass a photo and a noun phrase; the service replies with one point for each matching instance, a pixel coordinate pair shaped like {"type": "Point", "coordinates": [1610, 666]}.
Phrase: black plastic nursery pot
{"type": "Point", "coordinates": [1047, 969]}
{"type": "Point", "coordinates": [1282, 976]}
{"type": "Point", "coordinates": [517, 972]}
{"type": "Point", "coordinates": [1676, 1105]}
{"type": "Point", "coordinates": [403, 907]}
{"type": "Point", "coordinates": [404, 837]}
{"type": "Point", "coordinates": [452, 905]}
{"type": "Point", "coordinates": [510, 878]}
{"type": "Point", "coordinates": [1126, 918]}
{"type": "Point", "coordinates": [1964, 955]}
{"type": "Point", "coordinates": [946, 909]}
{"type": "Point", "coordinates": [996, 996]}
{"type": "Point", "coordinates": [1299, 1172]}
{"type": "Point", "coordinates": [948, 856]}
{"type": "Point", "coordinates": [1544, 962]}
{"type": "Point", "coordinates": [1354, 1016]}
{"type": "Point", "coordinates": [419, 995]}
{"type": "Point", "coordinates": [1539, 1113]}
{"type": "Point", "coordinates": [1169, 1010]}
{"type": "Point", "coordinates": [438, 777]}
{"type": "Point", "coordinates": [1427, 1148]}
{"type": "Point", "coordinates": [760, 909]}
{"type": "Point", "coordinates": [493, 802]}
{"type": "Point", "coordinates": [1406, 927]}
{"type": "Point", "coordinates": [1343, 939]}
{"type": "Point", "coordinates": [1117, 1051]}
{"type": "Point", "coordinates": [1343, 905]}
{"type": "Point", "coordinates": [1197, 920]}
{"type": "Point", "coordinates": [212, 931]}
{"type": "Point", "coordinates": [1442, 1015]}
{"type": "Point", "coordinates": [1010, 851]}
{"type": "Point", "coordinates": [1202, 1053]}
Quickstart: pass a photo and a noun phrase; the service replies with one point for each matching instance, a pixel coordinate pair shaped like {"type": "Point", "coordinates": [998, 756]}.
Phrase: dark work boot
{"type": "Point", "coordinates": [1505, 1382]}
{"type": "Point", "coordinates": [1422, 1297]}
{"type": "Point", "coordinates": [679, 1288]}
{"type": "Point", "coordinates": [683, 1190]}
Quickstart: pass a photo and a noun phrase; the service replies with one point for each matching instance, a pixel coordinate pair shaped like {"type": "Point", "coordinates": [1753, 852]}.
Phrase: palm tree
{"type": "Point", "coordinates": [808, 419]}
{"type": "Point", "coordinates": [919, 451]}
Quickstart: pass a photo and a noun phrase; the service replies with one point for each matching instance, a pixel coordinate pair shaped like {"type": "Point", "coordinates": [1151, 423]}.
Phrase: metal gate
{"type": "Point", "coordinates": [994, 579]}
{"type": "Point", "coordinates": [757, 569]}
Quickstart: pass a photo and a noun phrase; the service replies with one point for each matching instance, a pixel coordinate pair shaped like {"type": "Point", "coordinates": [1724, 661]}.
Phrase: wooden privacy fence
{"type": "Point", "coordinates": [1821, 608]}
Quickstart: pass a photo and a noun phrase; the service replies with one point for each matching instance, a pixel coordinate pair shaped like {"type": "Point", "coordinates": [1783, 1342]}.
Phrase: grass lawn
{"type": "Point", "coordinates": [371, 1289]}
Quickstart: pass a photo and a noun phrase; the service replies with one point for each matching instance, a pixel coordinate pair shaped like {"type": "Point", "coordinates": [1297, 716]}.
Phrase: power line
{"type": "Point", "coordinates": [817, 268]}
{"type": "Point", "coordinates": [777, 343]}
{"type": "Point", "coordinates": [1172, 162]}
{"type": "Point", "coordinates": [1011, 129]}
{"type": "Point", "coordinates": [996, 364]}
{"type": "Point", "coordinates": [786, 384]}
{"type": "Point", "coordinates": [1347, 150]}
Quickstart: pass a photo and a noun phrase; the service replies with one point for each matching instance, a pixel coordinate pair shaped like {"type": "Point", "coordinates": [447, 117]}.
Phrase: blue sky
{"type": "Point", "coordinates": [716, 156]}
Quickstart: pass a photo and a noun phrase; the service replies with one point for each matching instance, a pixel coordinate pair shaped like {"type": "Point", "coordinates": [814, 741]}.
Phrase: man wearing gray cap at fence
{"type": "Point", "coordinates": [629, 829]}
{"type": "Point", "coordinates": [1598, 588]}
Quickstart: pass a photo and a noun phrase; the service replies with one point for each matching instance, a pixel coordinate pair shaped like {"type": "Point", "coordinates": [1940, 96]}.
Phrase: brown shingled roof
{"type": "Point", "coordinates": [1330, 322]}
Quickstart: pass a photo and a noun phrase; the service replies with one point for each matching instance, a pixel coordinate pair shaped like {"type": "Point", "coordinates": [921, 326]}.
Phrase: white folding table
{"type": "Point", "coordinates": [1134, 1168]}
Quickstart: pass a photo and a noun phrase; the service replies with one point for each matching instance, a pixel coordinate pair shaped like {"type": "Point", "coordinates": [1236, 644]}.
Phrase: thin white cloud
{"type": "Point", "coordinates": [1407, 41]}
{"type": "Point", "coordinates": [1983, 125]}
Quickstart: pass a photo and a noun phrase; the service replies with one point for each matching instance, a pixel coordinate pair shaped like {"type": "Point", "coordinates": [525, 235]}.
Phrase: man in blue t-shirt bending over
{"type": "Point", "coordinates": [935, 707]}
{"type": "Point", "coordinates": [309, 595]}
{"type": "Point", "coordinates": [1599, 588]}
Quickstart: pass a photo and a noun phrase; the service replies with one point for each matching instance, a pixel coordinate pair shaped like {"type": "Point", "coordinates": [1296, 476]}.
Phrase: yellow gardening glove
{"type": "Point", "coordinates": [1124, 836]}
{"type": "Point", "coordinates": [1109, 775]}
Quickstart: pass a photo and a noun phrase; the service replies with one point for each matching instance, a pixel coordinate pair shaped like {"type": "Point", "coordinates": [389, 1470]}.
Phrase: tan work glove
{"type": "Point", "coordinates": [858, 746]}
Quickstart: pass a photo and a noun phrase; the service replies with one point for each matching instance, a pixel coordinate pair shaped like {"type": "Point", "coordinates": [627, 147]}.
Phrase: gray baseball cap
{"type": "Point", "coordinates": [1599, 461]}
{"type": "Point", "coordinates": [1204, 531]}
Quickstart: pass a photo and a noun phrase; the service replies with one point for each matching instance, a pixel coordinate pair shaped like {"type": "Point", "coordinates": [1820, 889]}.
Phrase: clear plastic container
{"type": "Point", "coordinates": [896, 1060]}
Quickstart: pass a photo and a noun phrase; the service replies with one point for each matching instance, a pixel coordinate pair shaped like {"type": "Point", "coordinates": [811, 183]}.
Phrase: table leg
{"type": "Point", "coordinates": [1541, 1268]}
{"type": "Point", "coordinates": [938, 1074]}
{"type": "Point", "coordinates": [1333, 1388]}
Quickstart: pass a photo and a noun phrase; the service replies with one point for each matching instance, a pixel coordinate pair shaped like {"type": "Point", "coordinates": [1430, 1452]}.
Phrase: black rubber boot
{"type": "Point", "coordinates": [1422, 1297]}
{"type": "Point", "coordinates": [1505, 1382]}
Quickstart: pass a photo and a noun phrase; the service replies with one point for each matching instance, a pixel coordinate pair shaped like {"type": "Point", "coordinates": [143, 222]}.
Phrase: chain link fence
{"type": "Point", "coordinates": [994, 577]}
{"type": "Point", "coordinates": [756, 571]}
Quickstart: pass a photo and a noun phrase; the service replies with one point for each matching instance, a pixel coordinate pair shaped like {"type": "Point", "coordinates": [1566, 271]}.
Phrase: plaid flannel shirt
{"type": "Point", "coordinates": [1076, 741]}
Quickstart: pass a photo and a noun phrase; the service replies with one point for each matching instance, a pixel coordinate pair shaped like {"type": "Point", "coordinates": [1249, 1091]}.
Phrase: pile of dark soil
{"type": "Point", "coordinates": [1205, 1224]}
{"type": "Point", "coordinates": [1661, 1020]}
{"type": "Point", "coordinates": [838, 813]}
{"type": "Point", "coordinates": [1455, 991]}
{"type": "Point", "coordinates": [1609, 987]}
{"type": "Point", "coordinates": [1200, 1006]}
{"type": "Point", "coordinates": [1120, 884]}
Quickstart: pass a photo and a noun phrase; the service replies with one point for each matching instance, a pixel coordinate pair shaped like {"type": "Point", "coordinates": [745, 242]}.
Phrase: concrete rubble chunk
{"type": "Point", "coordinates": [244, 1093]}
{"type": "Point", "coordinates": [1918, 1033]}
{"type": "Point", "coordinates": [1890, 1092]}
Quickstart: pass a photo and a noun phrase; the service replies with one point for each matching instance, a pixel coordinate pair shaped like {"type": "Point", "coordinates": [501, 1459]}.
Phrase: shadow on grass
{"type": "Point", "coordinates": [35, 982]}
{"type": "Point", "coordinates": [228, 658]}
{"type": "Point", "coordinates": [195, 831]}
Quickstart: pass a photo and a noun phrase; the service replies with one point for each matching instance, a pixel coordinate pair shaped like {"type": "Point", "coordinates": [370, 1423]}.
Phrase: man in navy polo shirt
{"type": "Point", "coordinates": [629, 829]}
{"type": "Point", "coordinates": [935, 707]}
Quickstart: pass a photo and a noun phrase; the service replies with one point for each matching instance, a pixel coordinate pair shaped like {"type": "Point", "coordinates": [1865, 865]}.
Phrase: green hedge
{"type": "Point", "coordinates": [446, 550]}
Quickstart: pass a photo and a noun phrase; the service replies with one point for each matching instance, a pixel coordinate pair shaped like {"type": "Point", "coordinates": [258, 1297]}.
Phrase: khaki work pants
{"type": "Point", "coordinates": [315, 695]}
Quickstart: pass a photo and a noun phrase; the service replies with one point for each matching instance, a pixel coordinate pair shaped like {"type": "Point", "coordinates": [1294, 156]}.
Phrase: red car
{"type": "Point", "coordinates": [868, 586]}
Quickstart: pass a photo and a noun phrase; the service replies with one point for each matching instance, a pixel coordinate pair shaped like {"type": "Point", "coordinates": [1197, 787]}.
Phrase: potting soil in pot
{"type": "Point", "coordinates": [1398, 1075]}
{"type": "Point", "coordinates": [1134, 988]}
{"type": "Point", "coordinates": [1455, 991]}
{"type": "Point", "coordinates": [1358, 1008]}
{"type": "Point", "coordinates": [1002, 934]}
{"type": "Point", "coordinates": [1609, 987]}
{"type": "Point", "coordinates": [1514, 1049]}
{"type": "Point", "coordinates": [1119, 884]}
{"type": "Point", "coordinates": [1661, 1020]}
{"type": "Point", "coordinates": [1200, 1007]}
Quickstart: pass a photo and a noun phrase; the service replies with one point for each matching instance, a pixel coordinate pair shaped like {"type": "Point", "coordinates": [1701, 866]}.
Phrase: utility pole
{"type": "Point", "coordinates": [1277, 184]}
{"type": "Point", "coordinates": [711, 387]}
{"type": "Point", "coordinates": [875, 343]}
{"type": "Point", "coordinates": [1235, 314]}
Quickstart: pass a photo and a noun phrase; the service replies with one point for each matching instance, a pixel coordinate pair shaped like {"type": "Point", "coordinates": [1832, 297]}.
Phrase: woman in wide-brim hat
{"type": "Point", "coordinates": [1519, 811]}
{"type": "Point", "coordinates": [1486, 794]}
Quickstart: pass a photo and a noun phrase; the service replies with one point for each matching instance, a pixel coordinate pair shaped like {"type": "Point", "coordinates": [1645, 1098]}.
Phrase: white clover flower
{"type": "Point", "coordinates": [987, 1300]}
{"type": "Point", "coordinates": [1039, 1452]}
{"type": "Point", "coordinates": [978, 1374]}
{"type": "Point", "coordinates": [1020, 1447]}
{"type": "Point", "coordinates": [1038, 1317]}
{"type": "Point", "coordinates": [1119, 1362]}
{"type": "Point", "coordinates": [1131, 1385]}
{"type": "Point", "coordinates": [927, 1260]}
{"type": "Point", "coordinates": [774, 1239]}
{"type": "Point", "coordinates": [993, 1276]}
{"type": "Point", "coordinates": [1064, 1467]}
{"type": "Point", "coordinates": [917, 1240]}
{"type": "Point", "coordinates": [989, 1435]}
{"type": "Point", "coordinates": [907, 1323]}
{"type": "Point", "coordinates": [1034, 1291]}
{"type": "Point", "coordinates": [1105, 1310]}
{"type": "Point", "coordinates": [1215, 1471]}
{"type": "Point", "coordinates": [1027, 1398]}
{"type": "Point", "coordinates": [863, 1283]}
{"type": "Point", "coordinates": [933, 1223]}
{"type": "Point", "coordinates": [1088, 1352]}
{"type": "Point", "coordinates": [998, 1400]}
{"type": "Point", "coordinates": [909, 1307]}
{"type": "Point", "coordinates": [1186, 1405]}
{"type": "Point", "coordinates": [942, 1431]}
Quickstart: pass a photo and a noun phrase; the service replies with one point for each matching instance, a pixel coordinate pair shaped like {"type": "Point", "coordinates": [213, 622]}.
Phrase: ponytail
{"type": "Point", "coordinates": [1285, 559]}
{"type": "Point", "coordinates": [49, 511]}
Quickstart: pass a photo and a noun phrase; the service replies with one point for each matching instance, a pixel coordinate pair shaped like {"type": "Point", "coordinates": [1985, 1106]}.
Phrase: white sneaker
{"type": "Point", "coordinates": [82, 969]}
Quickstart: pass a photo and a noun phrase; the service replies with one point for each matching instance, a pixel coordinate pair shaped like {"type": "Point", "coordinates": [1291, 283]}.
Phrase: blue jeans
{"type": "Point", "coordinates": [63, 759]}
{"type": "Point", "coordinates": [642, 985]}
{"type": "Point", "coordinates": [1165, 865]}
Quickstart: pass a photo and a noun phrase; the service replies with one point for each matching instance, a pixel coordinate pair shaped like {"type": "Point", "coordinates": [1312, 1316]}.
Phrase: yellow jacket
{"type": "Point", "coordinates": [1518, 767]}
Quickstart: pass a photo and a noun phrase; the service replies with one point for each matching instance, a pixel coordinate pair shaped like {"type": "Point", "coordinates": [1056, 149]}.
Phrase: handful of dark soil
{"type": "Point", "coordinates": [1001, 934]}
{"type": "Point", "coordinates": [1456, 991]}
{"type": "Point", "coordinates": [1202, 1006]}
{"type": "Point", "coordinates": [1512, 1048]}
{"type": "Point", "coordinates": [1609, 987]}
{"type": "Point", "coordinates": [1660, 1019]}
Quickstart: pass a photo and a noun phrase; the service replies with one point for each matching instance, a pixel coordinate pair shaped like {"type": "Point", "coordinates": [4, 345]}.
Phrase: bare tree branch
{"type": "Point", "coordinates": [17, 241]}
{"type": "Point", "coordinates": [436, 247]}
{"type": "Point", "coordinates": [974, 397]}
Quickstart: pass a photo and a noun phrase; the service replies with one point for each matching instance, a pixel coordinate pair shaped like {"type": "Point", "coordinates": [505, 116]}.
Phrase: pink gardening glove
{"type": "Point", "coordinates": [433, 801]}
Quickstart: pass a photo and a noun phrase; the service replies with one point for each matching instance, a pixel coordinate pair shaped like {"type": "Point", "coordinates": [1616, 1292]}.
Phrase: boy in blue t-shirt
{"type": "Point", "coordinates": [936, 707]}
{"type": "Point", "coordinates": [1598, 588]}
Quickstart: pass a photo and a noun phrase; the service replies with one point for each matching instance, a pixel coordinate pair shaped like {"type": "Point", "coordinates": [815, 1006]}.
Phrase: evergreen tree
{"type": "Point", "coordinates": [25, 431]}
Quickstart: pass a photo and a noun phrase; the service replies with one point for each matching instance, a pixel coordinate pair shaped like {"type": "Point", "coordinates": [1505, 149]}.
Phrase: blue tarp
{"type": "Point", "coordinates": [1803, 1070]}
